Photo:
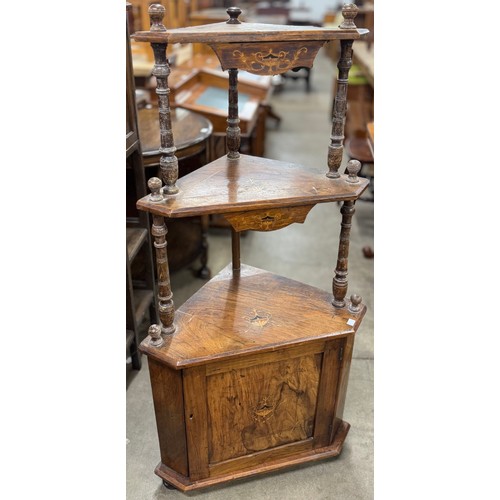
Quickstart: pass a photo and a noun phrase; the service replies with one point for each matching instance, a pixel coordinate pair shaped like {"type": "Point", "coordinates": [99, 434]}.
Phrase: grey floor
{"type": "Point", "coordinates": [305, 252]}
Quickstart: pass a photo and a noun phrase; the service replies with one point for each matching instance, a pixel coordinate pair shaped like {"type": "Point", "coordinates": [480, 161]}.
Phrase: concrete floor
{"type": "Point", "coordinates": [305, 252]}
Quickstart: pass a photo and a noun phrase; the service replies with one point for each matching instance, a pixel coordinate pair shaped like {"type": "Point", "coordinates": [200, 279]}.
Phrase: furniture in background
{"type": "Point", "coordinates": [140, 282]}
{"type": "Point", "coordinates": [192, 133]}
{"type": "Point", "coordinates": [250, 374]}
{"type": "Point", "coordinates": [204, 91]}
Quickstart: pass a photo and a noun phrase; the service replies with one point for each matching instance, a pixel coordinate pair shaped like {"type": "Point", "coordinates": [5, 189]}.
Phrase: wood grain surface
{"type": "Point", "coordinates": [247, 32]}
{"type": "Point", "coordinates": [255, 313]}
{"type": "Point", "coordinates": [260, 407]}
{"type": "Point", "coordinates": [251, 183]}
{"type": "Point", "coordinates": [166, 385]}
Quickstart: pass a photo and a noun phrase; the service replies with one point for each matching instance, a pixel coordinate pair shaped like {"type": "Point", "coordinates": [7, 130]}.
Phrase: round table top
{"type": "Point", "coordinates": [189, 128]}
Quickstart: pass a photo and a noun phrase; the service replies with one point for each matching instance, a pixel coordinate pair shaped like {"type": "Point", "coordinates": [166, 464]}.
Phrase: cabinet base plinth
{"type": "Point", "coordinates": [184, 484]}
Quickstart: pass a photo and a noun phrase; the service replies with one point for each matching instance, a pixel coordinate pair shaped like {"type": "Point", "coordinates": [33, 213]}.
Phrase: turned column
{"type": "Point", "coordinates": [340, 279]}
{"type": "Point", "coordinates": [233, 130]}
{"type": "Point", "coordinates": [169, 167]}
{"type": "Point", "coordinates": [159, 232]}
{"type": "Point", "coordinates": [336, 147]}
{"type": "Point", "coordinates": [347, 211]}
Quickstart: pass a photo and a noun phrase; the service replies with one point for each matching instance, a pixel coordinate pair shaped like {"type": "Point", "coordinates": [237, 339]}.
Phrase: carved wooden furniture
{"type": "Point", "coordinates": [192, 133]}
{"type": "Point", "coordinates": [141, 288]}
{"type": "Point", "coordinates": [250, 374]}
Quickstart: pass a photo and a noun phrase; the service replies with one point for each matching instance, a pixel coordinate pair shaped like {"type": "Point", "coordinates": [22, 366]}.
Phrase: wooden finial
{"type": "Point", "coordinates": [155, 334]}
{"type": "Point", "coordinates": [154, 184]}
{"type": "Point", "coordinates": [355, 305]}
{"type": "Point", "coordinates": [156, 12]}
{"type": "Point", "coordinates": [353, 168]}
{"type": "Point", "coordinates": [233, 12]}
{"type": "Point", "coordinates": [349, 12]}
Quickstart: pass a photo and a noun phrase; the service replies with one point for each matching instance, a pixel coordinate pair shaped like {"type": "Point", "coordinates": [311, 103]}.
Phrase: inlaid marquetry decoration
{"type": "Point", "coordinates": [267, 220]}
{"type": "Point", "coordinates": [269, 58]}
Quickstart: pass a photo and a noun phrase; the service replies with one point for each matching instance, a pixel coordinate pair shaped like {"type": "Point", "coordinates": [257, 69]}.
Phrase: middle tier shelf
{"type": "Point", "coordinates": [257, 312]}
{"type": "Point", "coordinates": [251, 183]}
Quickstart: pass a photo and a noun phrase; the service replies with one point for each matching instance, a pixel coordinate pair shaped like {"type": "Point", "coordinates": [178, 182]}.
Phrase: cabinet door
{"type": "Point", "coordinates": [265, 407]}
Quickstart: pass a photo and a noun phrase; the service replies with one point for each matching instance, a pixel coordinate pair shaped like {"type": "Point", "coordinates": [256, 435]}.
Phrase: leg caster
{"type": "Point", "coordinates": [168, 485]}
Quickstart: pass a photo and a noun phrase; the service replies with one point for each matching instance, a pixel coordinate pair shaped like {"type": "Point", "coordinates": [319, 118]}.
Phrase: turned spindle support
{"type": "Point", "coordinates": [336, 147]}
{"type": "Point", "coordinates": [340, 279]}
{"type": "Point", "coordinates": [233, 131]}
{"type": "Point", "coordinates": [169, 167]}
{"type": "Point", "coordinates": [159, 232]}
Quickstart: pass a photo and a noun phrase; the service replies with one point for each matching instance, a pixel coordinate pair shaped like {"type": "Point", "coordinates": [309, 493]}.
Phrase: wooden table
{"type": "Point", "coordinates": [191, 132]}
{"type": "Point", "coordinates": [187, 238]}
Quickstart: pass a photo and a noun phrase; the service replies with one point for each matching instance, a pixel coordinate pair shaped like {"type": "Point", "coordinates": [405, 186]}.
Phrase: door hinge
{"type": "Point", "coordinates": [341, 353]}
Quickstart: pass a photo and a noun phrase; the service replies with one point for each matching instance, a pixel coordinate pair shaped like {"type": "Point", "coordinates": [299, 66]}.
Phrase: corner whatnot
{"type": "Point", "coordinates": [250, 374]}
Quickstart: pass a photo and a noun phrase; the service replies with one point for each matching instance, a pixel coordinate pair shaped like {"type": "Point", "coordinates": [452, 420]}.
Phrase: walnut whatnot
{"type": "Point", "coordinates": [255, 377]}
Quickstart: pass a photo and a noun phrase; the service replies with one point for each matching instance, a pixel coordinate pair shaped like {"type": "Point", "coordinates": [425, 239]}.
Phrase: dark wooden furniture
{"type": "Point", "coordinates": [250, 374]}
{"type": "Point", "coordinates": [141, 289]}
{"type": "Point", "coordinates": [192, 133]}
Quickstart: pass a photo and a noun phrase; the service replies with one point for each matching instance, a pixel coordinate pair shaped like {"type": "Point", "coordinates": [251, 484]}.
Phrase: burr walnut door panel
{"type": "Point", "coordinates": [261, 407]}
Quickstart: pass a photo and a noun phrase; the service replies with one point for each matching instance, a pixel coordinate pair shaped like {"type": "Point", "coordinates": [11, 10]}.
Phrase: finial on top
{"type": "Point", "coordinates": [154, 332]}
{"type": "Point", "coordinates": [156, 12]}
{"type": "Point", "coordinates": [233, 12]}
{"type": "Point", "coordinates": [355, 305]}
{"type": "Point", "coordinates": [353, 168]}
{"type": "Point", "coordinates": [349, 12]}
{"type": "Point", "coordinates": [154, 184]}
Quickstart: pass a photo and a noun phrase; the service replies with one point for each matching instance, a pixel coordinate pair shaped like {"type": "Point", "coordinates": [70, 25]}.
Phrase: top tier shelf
{"type": "Point", "coordinates": [235, 31]}
{"type": "Point", "coordinates": [262, 49]}
{"type": "Point", "coordinates": [247, 32]}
